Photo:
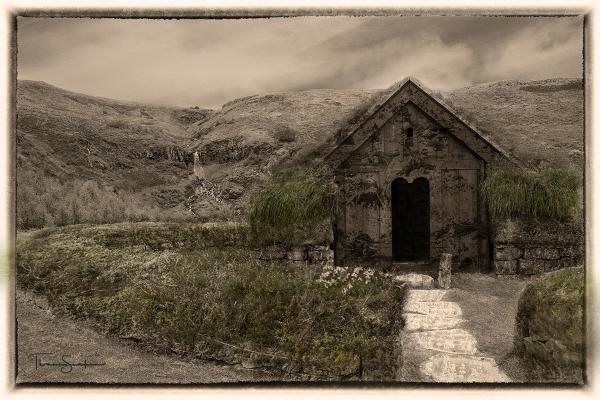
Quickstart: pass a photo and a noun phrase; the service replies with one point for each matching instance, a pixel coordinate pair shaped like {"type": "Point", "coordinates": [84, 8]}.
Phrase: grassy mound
{"type": "Point", "coordinates": [549, 194]}
{"type": "Point", "coordinates": [550, 330]}
{"type": "Point", "coordinates": [217, 302]}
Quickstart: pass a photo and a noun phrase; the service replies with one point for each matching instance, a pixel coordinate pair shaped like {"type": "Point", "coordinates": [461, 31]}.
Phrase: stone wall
{"type": "Point", "coordinates": [529, 247]}
{"type": "Point", "coordinates": [300, 254]}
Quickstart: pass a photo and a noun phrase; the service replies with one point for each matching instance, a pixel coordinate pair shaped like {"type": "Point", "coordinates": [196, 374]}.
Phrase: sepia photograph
{"type": "Point", "coordinates": [312, 198]}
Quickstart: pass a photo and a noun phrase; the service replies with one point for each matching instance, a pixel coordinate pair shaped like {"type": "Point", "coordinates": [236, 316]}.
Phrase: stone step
{"type": "Point", "coordinates": [461, 368]}
{"type": "Point", "coordinates": [421, 322]}
{"type": "Point", "coordinates": [415, 281]}
{"type": "Point", "coordinates": [417, 295]}
{"type": "Point", "coordinates": [457, 341]}
{"type": "Point", "coordinates": [435, 308]}
{"type": "Point", "coordinates": [432, 339]}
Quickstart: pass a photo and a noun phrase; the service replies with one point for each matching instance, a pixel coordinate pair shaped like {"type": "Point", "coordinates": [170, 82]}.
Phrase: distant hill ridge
{"type": "Point", "coordinates": [148, 148]}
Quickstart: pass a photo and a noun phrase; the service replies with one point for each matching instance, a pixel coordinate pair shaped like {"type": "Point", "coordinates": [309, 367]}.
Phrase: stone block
{"type": "Point", "coordinates": [505, 267]}
{"type": "Point", "coordinates": [320, 253]}
{"type": "Point", "coordinates": [553, 265]}
{"type": "Point", "coordinates": [415, 281]}
{"type": "Point", "coordinates": [271, 253]}
{"type": "Point", "coordinates": [457, 341]}
{"type": "Point", "coordinates": [419, 295]}
{"type": "Point", "coordinates": [543, 253]}
{"type": "Point", "coordinates": [297, 253]}
{"type": "Point", "coordinates": [422, 322]}
{"type": "Point", "coordinates": [445, 271]}
{"type": "Point", "coordinates": [506, 253]}
{"type": "Point", "coordinates": [444, 309]}
{"type": "Point", "coordinates": [463, 369]}
{"type": "Point", "coordinates": [575, 252]}
{"type": "Point", "coordinates": [531, 266]}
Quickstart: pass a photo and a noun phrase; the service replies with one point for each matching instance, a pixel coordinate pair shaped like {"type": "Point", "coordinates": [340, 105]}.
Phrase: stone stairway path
{"type": "Point", "coordinates": [435, 345]}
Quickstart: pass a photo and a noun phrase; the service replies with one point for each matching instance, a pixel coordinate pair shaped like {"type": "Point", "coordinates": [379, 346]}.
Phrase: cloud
{"type": "Point", "coordinates": [378, 65]}
{"type": "Point", "coordinates": [209, 62]}
{"type": "Point", "coordinates": [540, 51]}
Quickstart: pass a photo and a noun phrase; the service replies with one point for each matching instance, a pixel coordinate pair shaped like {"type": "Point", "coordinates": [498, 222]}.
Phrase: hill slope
{"type": "Point", "coordinates": [540, 122]}
{"type": "Point", "coordinates": [239, 145]}
{"type": "Point", "coordinates": [126, 146]}
{"type": "Point", "coordinates": [148, 149]}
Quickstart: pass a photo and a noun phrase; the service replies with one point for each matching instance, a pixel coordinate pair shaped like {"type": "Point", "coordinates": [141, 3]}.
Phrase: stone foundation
{"type": "Point", "coordinates": [533, 247]}
{"type": "Point", "coordinates": [297, 254]}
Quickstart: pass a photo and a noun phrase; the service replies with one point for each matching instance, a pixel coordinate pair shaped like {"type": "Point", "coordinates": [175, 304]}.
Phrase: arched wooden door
{"type": "Point", "coordinates": [410, 220]}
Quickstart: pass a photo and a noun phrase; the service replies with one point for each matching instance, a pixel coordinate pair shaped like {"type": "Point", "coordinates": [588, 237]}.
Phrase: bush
{"type": "Point", "coordinates": [286, 135]}
{"type": "Point", "coordinates": [220, 303]}
{"type": "Point", "coordinates": [118, 124]}
{"type": "Point", "coordinates": [550, 194]}
{"type": "Point", "coordinates": [550, 327]}
{"type": "Point", "coordinates": [294, 207]}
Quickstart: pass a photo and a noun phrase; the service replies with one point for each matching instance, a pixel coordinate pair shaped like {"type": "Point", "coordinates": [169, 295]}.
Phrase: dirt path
{"type": "Point", "coordinates": [40, 331]}
{"type": "Point", "coordinates": [464, 334]}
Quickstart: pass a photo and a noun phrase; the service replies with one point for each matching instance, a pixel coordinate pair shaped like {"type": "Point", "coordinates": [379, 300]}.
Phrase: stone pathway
{"type": "Point", "coordinates": [435, 347]}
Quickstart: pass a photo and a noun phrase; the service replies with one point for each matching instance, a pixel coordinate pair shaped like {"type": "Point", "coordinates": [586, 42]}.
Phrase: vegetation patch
{"type": "Point", "coordinates": [293, 208]}
{"type": "Point", "coordinates": [286, 135]}
{"type": "Point", "coordinates": [550, 330]}
{"type": "Point", "coordinates": [551, 194]}
{"type": "Point", "coordinates": [575, 85]}
{"type": "Point", "coordinates": [356, 116]}
{"type": "Point", "coordinates": [165, 235]}
{"type": "Point", "coordinates": [46, 201]}
{"type": "Point", "coordinates": [219, 303]}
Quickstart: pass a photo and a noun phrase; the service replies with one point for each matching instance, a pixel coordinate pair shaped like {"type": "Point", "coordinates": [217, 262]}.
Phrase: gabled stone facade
{"type": "Point", "coordinates": [408, 181]}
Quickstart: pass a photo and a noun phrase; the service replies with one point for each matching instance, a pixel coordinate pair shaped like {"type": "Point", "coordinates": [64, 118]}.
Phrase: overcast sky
{"type": "Point", "coordinates": [209, 62]}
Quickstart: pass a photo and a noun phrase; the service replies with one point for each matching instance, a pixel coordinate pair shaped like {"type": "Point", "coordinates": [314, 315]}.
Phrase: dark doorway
{"type": "Point", "coordinates": [410, 220]}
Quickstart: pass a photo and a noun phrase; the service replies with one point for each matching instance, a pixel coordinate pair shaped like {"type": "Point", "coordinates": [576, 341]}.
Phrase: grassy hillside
{"type": "Point", "coordinates": [124, 146]}
{"type": "Point", "coordinates": [148, 150]}
{"type": "Point", "coordinates": [241, 143]}
{"type": "Point", "coordinates": [540, 122]}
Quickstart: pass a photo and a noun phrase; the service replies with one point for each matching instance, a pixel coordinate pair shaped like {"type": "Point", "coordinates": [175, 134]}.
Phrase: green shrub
{"type": "Point", "coordinates": [286, 135]}
{"type": "Point", "coordinates": [294, 207]}
{"type": "Point", "coordinates": [550, 330]}
{"type": "Point", "coordinates": [549, 194]}
{"type": "Point", "coordinates": [220, 302]}
{"type": "Point", "coordinates": [118, 124]}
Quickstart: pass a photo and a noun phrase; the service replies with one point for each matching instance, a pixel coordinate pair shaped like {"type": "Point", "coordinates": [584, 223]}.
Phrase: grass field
{"type": "Point", "coordinates": [182, 293]}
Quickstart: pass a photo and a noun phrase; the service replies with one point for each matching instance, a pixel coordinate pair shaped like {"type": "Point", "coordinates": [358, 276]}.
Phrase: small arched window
{"type": "Point", "coordinates": [409, 132]}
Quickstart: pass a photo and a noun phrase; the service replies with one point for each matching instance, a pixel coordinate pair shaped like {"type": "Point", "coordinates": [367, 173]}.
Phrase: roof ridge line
{"type": "Point", "coordinates": [399, 86]}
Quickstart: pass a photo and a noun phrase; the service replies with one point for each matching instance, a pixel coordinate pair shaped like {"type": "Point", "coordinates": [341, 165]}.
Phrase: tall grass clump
{"type": "Point", "coordinates": [293, 207]}
{"type": "Point", "coordinates": [551, 194]}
